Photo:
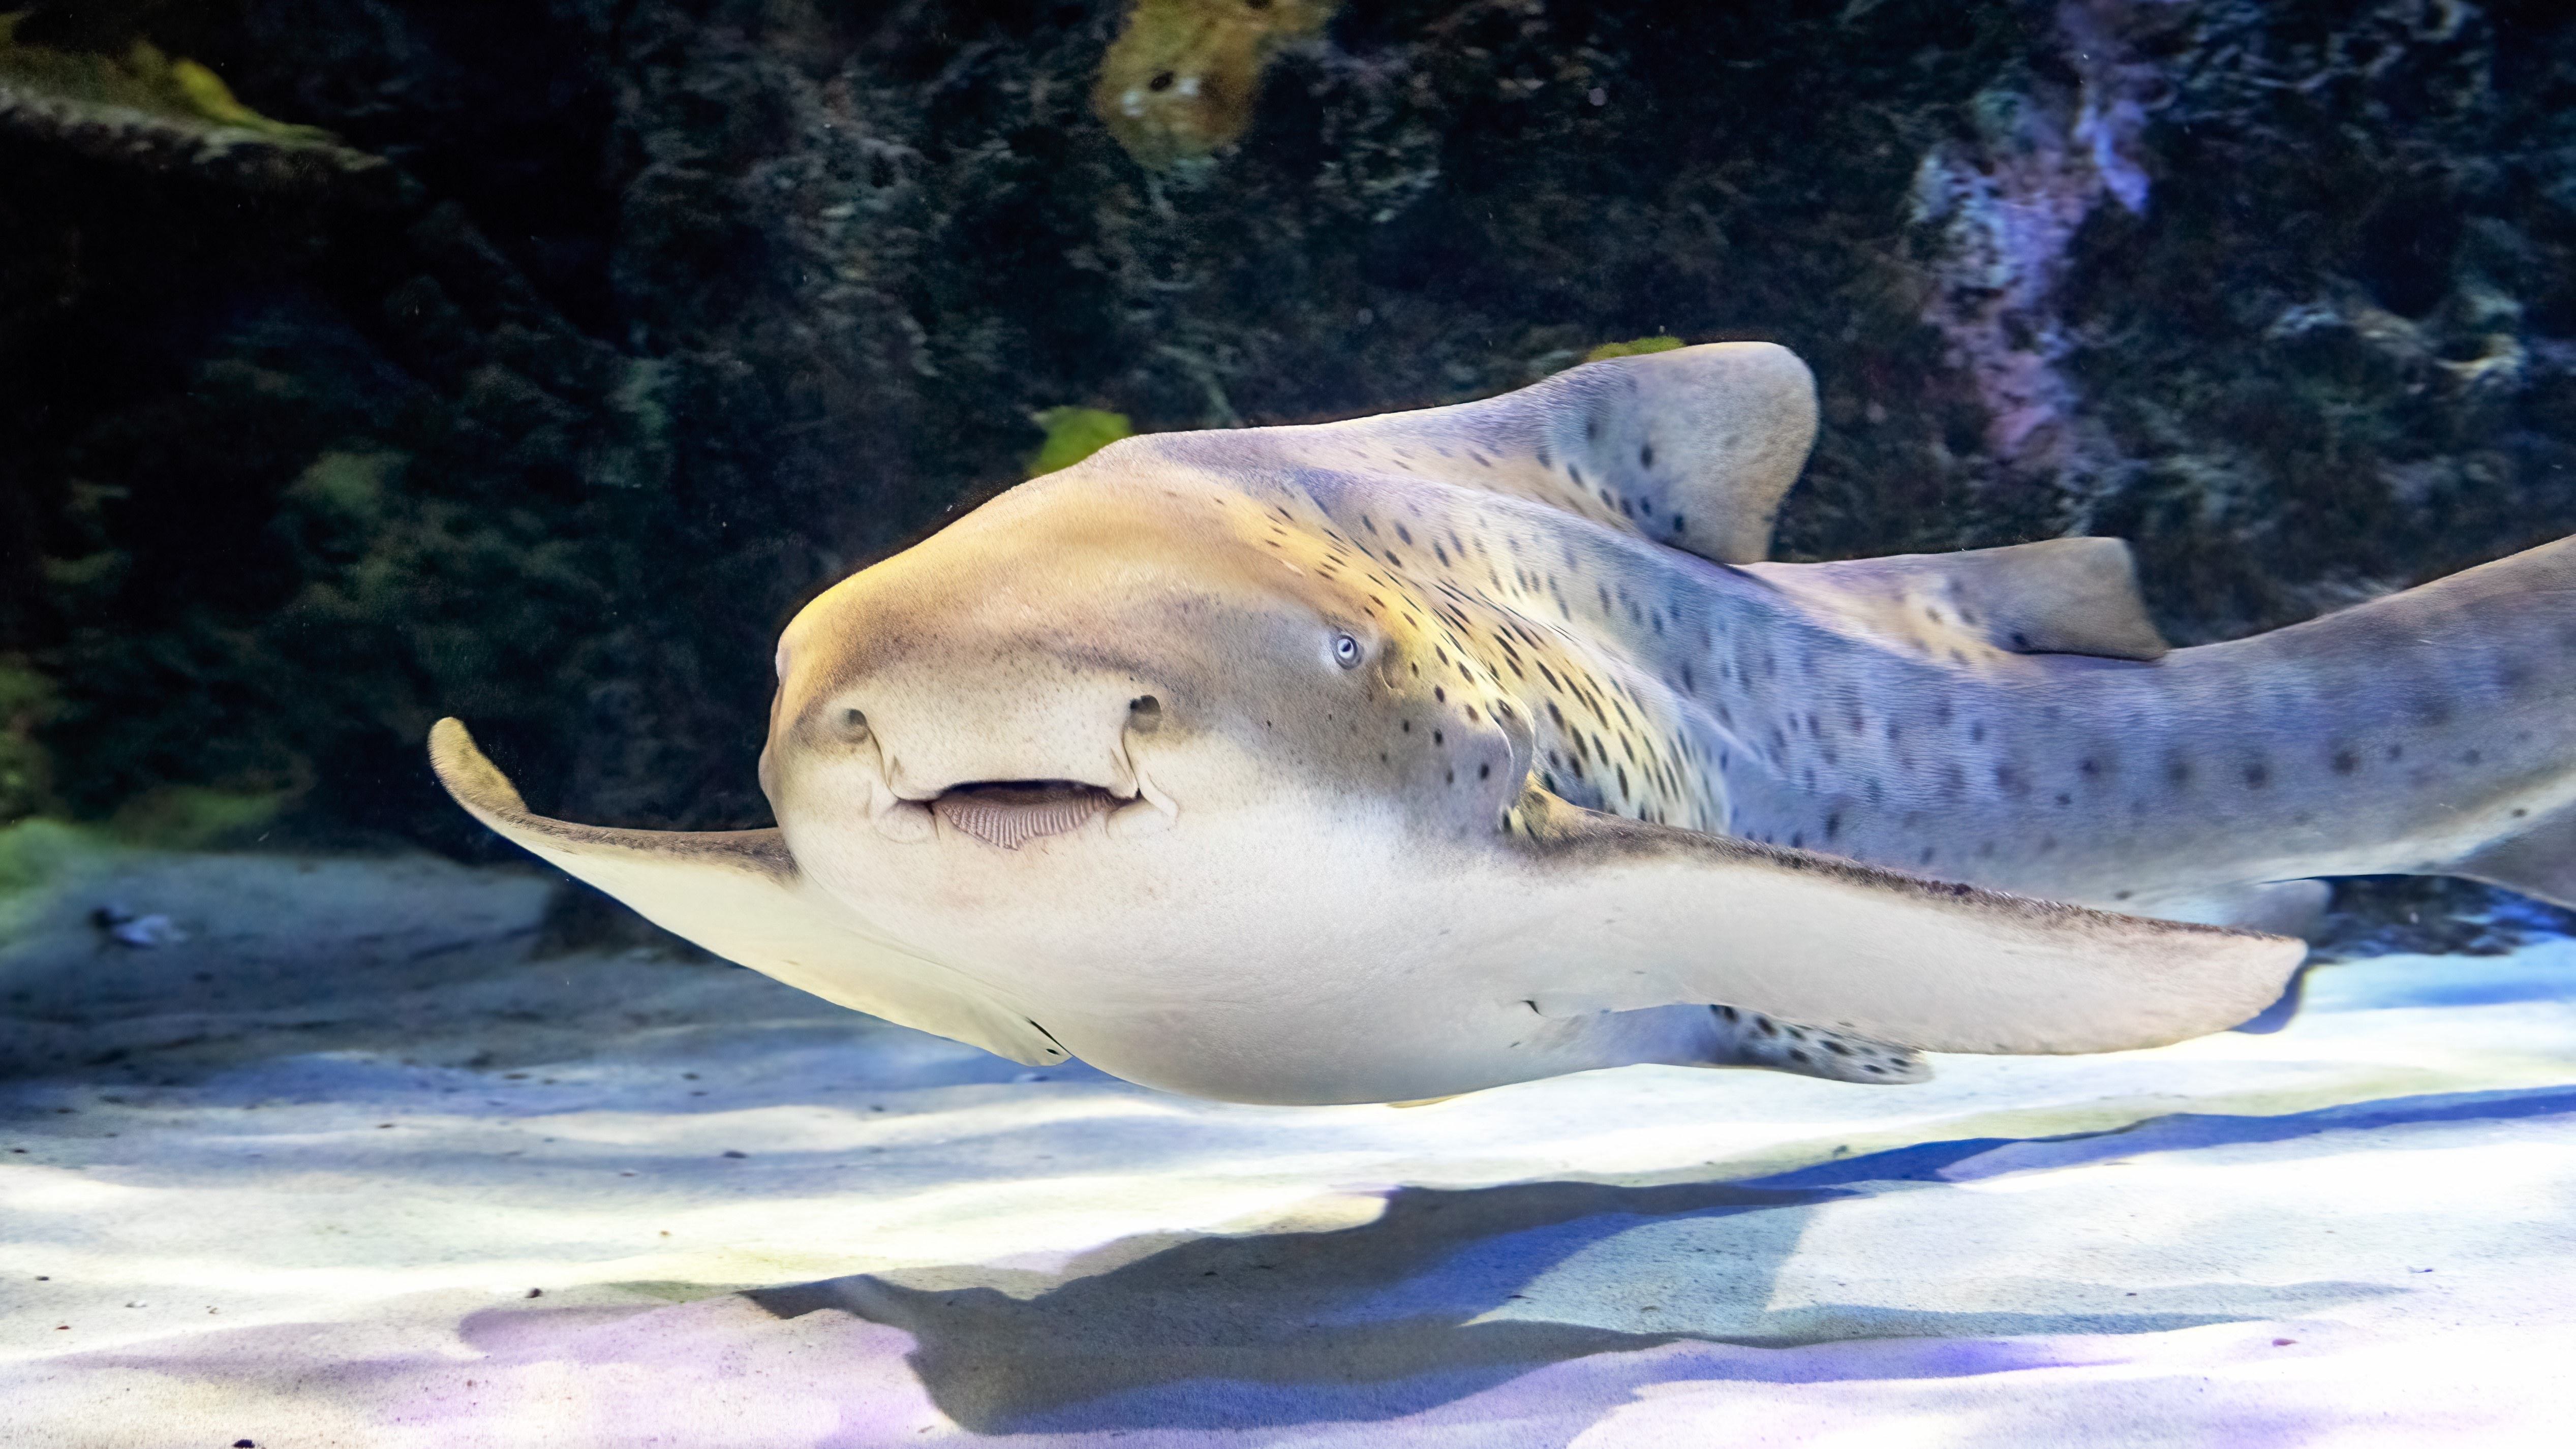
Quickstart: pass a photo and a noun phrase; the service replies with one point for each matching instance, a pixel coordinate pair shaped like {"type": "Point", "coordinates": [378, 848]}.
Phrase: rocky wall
{"type": "Point", "coordinates": [592, 337]}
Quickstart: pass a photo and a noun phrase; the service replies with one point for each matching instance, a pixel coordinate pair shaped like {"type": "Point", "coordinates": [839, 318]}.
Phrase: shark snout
{"type": "Point", "coordinates": [1003, 767]}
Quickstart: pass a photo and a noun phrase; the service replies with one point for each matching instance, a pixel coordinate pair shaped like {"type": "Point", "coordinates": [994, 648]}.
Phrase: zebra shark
{"type": "Point", "coordinates": [1389, 759]}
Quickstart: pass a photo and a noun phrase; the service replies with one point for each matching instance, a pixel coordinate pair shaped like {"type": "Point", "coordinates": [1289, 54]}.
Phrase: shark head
{"type": "Point", "coordinates": [1119, 653]}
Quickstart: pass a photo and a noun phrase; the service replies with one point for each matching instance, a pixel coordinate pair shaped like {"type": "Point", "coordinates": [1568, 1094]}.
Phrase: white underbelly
{"type": "Point", "coordinates": [1253, 965]}
{"type": "Point", "coordinates": [1389, 1050]}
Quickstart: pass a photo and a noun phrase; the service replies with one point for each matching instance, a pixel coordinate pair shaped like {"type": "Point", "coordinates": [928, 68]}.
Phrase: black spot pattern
{"type": "Point", "coordinates": [1644, 685]}
{"type": "Point", "coordinates": [1752, 1039]}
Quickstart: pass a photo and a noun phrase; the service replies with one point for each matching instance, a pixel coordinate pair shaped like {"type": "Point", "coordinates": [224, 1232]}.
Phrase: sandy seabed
{"type": "Point", "coordinates": [354, 1165]}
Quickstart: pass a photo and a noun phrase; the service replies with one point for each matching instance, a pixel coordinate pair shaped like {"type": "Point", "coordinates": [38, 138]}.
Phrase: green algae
{"type": "Point", "coordinates": [142, 78]}
{"type": "Point", "coordinates": [1181, 79]}
{"type": "Point", "coordinates": [194, 817]}
{"type": "Point", "coordinates": [1633, 347]}
{"type": "Point", "coordinates": [27, 700]}
{"type": "Point", "coordinates": [1073, 434]}
{"type": "Point", "coordinates": [38, 849]}
{"type": "Point", "coordinates": [347, 488]}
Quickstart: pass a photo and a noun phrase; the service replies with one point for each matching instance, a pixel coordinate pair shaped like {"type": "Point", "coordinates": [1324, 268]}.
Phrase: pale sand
{"type": "Point", "coordinates": [309, 1203]}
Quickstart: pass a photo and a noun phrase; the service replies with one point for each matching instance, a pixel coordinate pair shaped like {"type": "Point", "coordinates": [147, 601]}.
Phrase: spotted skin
{"type": "Point", "coordinates": [1387, 760]}
{"type": "Point", "coordinates": [2419, 733]}
{"type": "Point", "coordinates": [1751, 1039]}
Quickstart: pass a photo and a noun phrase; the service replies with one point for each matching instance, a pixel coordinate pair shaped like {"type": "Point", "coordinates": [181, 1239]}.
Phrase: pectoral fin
{"type": "Point", "coordinates": [1596, 912]}
{"type": "Point", "coordinates": [2278, 907]}
{"type": "Point", "coordinates": [739, 894]}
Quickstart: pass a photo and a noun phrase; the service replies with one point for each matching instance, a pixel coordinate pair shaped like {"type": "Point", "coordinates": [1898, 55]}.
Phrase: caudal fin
{"type": "Point", "coordinates": [2526, 607]}
{"type": "Point", "coordinates": [2457, 739]}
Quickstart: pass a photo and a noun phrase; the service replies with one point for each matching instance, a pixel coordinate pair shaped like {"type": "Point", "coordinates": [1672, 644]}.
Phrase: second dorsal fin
{"type": "Point", "coordinates": [2061, 596]}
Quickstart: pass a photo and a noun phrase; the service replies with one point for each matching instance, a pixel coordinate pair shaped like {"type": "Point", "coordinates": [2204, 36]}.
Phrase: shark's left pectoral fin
{"type": "Point", "coordinates": [1603, 913]}
{"type": "Point", "coordinates": [2275, 907]}
{"type": "Point", "coordinates": [739, 894]}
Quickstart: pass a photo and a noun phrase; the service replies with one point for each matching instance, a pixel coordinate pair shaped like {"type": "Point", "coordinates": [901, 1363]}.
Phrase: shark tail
{"type": "Point", "coordinates": [2491, 653]}
{"type": "Point", "coordinates": [2534, 593]}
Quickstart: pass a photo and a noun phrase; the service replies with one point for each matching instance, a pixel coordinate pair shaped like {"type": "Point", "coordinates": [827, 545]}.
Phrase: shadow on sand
{"type": "Point", "coordinates": [1441, 1296]}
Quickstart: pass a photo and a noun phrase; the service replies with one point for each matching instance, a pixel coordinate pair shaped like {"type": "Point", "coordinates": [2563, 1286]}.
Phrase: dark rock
{"type": "Point", "coordinates": [644, 321]}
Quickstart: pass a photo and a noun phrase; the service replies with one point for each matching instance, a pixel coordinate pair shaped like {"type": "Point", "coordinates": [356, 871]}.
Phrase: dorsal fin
{"type": "Point", "coordinates": [2061, 596]}
{"type": "Point", "coordinates": [1693, 448]}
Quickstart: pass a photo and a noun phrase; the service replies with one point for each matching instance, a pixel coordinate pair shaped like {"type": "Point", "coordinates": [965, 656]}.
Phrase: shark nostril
{"type": "Point", "coordinates": [1144, 714]}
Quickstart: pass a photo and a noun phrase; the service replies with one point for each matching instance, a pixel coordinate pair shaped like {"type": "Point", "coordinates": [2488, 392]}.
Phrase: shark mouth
{"type": "Point", "coordinates": [1011, 813]}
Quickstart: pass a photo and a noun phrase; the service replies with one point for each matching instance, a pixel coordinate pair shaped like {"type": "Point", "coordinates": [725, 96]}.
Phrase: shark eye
{"type": "Point", "coordinates": [1346, 651]}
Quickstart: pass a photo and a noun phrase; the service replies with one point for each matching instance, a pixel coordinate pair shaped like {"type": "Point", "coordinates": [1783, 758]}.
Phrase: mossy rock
{"type": "Point", "coordinates": [195, 817]}
{"type": "Point", "coordinates": [141, 78]}
{"type": "Point", "coordinates": [1634, 347]}
{"type": "Point", "coordinates": [27, 700]}
{"type": "Point", "coordinates": [561, 451]}
{"type": "Point", "coordinates": [38, 850]}
{"type": "Point", "coordinates": [1073, 434]}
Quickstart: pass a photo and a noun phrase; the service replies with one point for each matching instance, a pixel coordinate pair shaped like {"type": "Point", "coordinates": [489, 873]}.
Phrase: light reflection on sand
{"type": "Point", "coordinates": [330, 1236]}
